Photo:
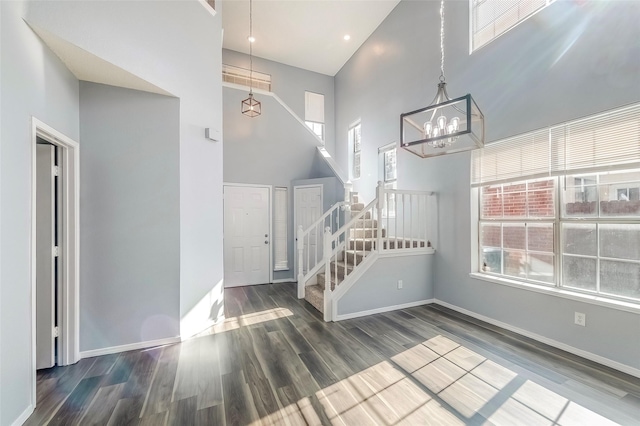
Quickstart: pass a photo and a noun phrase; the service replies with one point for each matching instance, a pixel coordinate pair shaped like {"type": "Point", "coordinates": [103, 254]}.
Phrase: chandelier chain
{"type": "Point", "coordinates": [442, 41]}
{"type": "Point", "coordinates": [250, 46]}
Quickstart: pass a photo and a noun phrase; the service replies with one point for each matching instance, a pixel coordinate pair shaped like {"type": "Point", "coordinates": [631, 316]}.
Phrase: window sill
{"type": "Point", "coordinates": [564, 293]}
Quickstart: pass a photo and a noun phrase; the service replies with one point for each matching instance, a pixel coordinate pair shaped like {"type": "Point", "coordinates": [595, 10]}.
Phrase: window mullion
{"type": "Point", "coordinates": [557, 233]}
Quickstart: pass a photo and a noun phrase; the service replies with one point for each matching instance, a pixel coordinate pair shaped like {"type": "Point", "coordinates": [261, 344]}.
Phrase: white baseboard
{"type": "Point", "coordinates": [23, 417]}
{"type": "Point", "coordinates": [383, 309]}
{"type": "Point", "coordinates": [283, 280]}
{"type": "Point", "coordinates": [563, 346]}
{"type": "Point", "coordinates": [130, 347]}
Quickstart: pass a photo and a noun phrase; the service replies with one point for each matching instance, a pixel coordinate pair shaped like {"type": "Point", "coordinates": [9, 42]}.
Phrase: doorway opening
{"type": "Point", "coordinates": [55, 224]}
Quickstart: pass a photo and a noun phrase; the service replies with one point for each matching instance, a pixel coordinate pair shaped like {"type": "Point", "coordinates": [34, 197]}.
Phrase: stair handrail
{"type": "Point", "coordinates": [332, 246]}
{"type": "Point", "coordinates": [356, 217]}
{"type": "Point", "coordinates": [303, 234]}
{"type": "Point", "coordinates": [324, 216]}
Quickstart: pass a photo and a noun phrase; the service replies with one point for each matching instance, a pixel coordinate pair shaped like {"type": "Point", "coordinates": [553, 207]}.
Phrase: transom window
{"type": "Point", "coordinates": [578, 227]}
{"type": "Point", "coordinates": [491, 18]}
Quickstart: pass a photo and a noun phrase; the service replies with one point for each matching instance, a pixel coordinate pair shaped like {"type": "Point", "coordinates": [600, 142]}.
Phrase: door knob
{"type": "Point", "coordinates": [265, 235]}
{"type": "Point", "coordinates": [266, 242]}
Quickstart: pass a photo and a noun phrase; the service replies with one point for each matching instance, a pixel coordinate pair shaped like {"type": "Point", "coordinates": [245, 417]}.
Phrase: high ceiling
{"type": "Point", "coordinates": [307, 34]}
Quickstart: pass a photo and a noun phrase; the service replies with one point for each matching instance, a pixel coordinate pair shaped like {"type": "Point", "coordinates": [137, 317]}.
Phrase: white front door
{"type": "Point", "coordinates": [307, 202]}
{"type": "Point", "coordinates": [247, 240]}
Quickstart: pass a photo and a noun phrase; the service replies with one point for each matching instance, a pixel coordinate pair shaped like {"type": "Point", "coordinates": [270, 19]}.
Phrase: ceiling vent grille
{"type": "Point", "coordinates": [241, 76]}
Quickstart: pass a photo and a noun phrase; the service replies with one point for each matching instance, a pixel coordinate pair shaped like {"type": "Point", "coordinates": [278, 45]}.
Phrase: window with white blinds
{"type": "Point", "coordinates": [280, 243]}
{"type": "Point", "coordinates": [314, 113]}
{"type": "Point", "coordinates": [314, 107]}
{"type": "Point", "coordinates": [560, 207]}
{"type": "Point", "coordinates": [490, 18]}
{"type": "Point", "coordinates": [606, 141]}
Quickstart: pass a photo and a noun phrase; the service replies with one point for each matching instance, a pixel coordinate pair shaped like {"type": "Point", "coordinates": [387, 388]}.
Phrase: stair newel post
{"type": "Point", "coordinates": [379, 205]}
{"type": "Point", "coordinates": [327, 273]}
{"type": "Point", "coordinates": [300, 246]}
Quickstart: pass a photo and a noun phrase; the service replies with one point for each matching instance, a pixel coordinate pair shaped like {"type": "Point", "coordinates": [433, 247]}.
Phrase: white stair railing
{"type": "Point", "coordinates": [396, 220]}
{"type": "Point", "coordinates": [408, 219]}
{"type": "Point", "coordinates": [346, 248]}
{"type": "Point", "coordinates": [309, 243]}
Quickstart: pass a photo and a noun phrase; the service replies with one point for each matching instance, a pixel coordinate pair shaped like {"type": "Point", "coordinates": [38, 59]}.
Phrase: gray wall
{"type": "Point", "coordinates": [570, 60]}
{"type": "Point", "coordinates": [151, 41]}
{"type": "Point", "coordinates": [290, 83]}
{"type": "Point", "coordinates": [378, 287]}
{"type": "Point", "coordinates": [272, 149]}
{"type": "Point", "coordinates": [129, 216]}
{"type": "Point", "coordinates": [35, 83]}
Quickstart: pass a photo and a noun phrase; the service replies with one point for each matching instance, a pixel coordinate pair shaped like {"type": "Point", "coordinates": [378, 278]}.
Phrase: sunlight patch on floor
{"type": "Point", "coordinates": [246, 320]}
{"type": "Point", "coordinates": [461, 384]}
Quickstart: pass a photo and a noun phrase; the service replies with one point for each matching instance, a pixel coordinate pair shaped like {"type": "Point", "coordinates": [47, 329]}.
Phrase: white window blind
{"type": "Point", "coordinates": [606, 141]}
{"type": "Point", "coordinates": [314, 107]}
{"type": "Point", "coordinates": [280, 243]}
{"type": "Point", "coordinates": [490, 18]}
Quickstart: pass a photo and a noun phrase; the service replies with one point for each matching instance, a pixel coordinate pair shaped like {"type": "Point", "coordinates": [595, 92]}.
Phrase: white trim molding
{"type": "Point", "coordinates": [341, 317]}
{"type": "Point", "coordinates": [69, 291]}
{"type": "Point", "coordinates": [559, 345]}
{"type": "Point", "coordinates": [24, 416]}
{"type": "Point", "coordinates": [130, 347]}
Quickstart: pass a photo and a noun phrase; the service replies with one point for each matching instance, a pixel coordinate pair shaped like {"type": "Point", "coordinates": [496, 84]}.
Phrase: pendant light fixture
{"type": "Point", "coordinates": [251, 107]}
{"type": "Point", "coordinates": [447, 125]}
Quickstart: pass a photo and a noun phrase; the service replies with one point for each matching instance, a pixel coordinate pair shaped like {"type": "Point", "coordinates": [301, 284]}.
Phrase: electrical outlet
{"type": "Point", "coordinates": [580, 319]}
{"type": "Point", "coordinates": [399, 284]}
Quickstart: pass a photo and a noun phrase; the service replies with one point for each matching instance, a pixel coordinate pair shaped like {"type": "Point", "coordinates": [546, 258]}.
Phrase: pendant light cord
{"type": "Point", "coordinates": [442, 41]}
{"type": "Point", "coordinates": [250, 46]}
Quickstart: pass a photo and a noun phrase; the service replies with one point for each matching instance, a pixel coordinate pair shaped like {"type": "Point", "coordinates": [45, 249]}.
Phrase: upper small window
{"type": "Point", "coordinates": [355, 143]}
{"type": "Point", "coordinates": [314, 113]}
{"type": "Point", "coordinates": [491, 18]}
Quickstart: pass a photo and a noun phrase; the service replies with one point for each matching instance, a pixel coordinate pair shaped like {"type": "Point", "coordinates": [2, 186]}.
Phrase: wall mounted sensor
{"type": "Point", "coordinates": [212, 134]}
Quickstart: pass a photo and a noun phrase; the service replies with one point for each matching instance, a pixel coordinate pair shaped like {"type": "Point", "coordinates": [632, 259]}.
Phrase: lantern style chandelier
{"type": "Point", "coordinates": [251, 107]}
{"type": "Point", "coordinates": [447, 125]}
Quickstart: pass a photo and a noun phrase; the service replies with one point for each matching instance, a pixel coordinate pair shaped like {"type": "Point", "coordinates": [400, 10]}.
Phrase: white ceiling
{"type": "Point", "coordinates": [307, 34]}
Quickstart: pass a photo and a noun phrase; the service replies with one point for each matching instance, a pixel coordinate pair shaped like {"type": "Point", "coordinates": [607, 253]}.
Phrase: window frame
{"type": "Point", "coordinates": [558, 287]}
{"type": "Point", "coordinates": [526, 221]}
{"type": "Point", "coordinates": [568, 149]}
{"type": "Point", "coordinates": [472, 14]}
{"type": "Point", "coordinates": [389, 209]}
{"type": "Point", "coordinates": [355, 151]}
{"type": "Point", "coordinates": [312, 125]}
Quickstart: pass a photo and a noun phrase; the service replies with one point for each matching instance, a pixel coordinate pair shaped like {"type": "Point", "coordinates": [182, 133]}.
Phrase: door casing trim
{"type": "Point", "coordinates": [69, 289]}
{"type": "Point", "coordinates": [295, 220]}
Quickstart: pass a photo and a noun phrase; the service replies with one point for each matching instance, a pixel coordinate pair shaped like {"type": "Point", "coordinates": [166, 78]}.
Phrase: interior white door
{"type": "Point", "coordinates": [246, 235]}
{"type": "Point", "coordinates": [307, 202]}
{"type": "Point", "coordinates": [45, 261]}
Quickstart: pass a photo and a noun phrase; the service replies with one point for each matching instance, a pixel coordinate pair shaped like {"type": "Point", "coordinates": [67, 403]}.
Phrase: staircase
{"type": "Point", "coordinates": [395, 221]}
{"type": "Point", "coordinates": [361, 241]}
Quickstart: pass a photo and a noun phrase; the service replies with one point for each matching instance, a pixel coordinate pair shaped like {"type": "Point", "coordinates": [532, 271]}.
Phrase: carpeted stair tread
{"type": "Point", "coordinates": [315, 295]}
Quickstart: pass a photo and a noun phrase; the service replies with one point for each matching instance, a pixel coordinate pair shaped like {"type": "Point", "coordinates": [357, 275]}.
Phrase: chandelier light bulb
{"type": "Point", "coordinates": [251, 39]}
{"type": "Point", "coordinates": [428, 126]}
{"type": "Point", "coordinates": [450, 129]}
{"type": "Point", "coordinates": [455, 122]}
{"type": "Point", "coordinates": [442, 122]}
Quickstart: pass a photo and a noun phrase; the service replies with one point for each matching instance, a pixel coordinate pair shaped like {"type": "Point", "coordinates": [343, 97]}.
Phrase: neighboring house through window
{"type": "Point", "coordinates": [560, 207]}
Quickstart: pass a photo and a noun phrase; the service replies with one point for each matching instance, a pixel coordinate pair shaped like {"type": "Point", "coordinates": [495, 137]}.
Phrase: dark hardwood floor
{"type": "Point", "coordinates": [274, 361]}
